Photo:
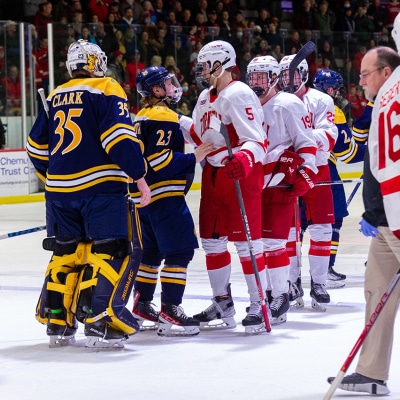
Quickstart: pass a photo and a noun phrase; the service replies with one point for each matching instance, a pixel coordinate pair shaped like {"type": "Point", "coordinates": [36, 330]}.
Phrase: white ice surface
{"type": "Point", "coordinates": [290, 363]}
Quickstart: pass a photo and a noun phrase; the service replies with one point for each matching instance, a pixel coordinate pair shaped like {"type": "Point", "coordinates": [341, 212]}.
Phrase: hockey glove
{"type": "Point", "coordinates": [304, 181]}
{"type": "Point", "coordinates": [240, 165]}
{"type": "Point", "coordinates": [367, 229]}
{"type": "Point", "coordinates": [288, 163]}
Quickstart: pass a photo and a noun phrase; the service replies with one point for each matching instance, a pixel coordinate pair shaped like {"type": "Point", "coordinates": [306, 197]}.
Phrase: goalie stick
{"type": "Point", "coordinates": [372, 319]}
{"type": "Point", "coordinates": [44, 101]}
{"type": "Point", "coordinates": [23, 232]}
{"type": "Point", "coordinates": [222, 129]}
{"type": "Point", "coordinates": [301, 55]}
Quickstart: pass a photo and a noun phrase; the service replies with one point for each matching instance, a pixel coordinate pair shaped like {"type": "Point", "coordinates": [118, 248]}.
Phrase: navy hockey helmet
{"type": "Point", "coordinates": [157, 76]}
{"type": "Point", "coordinates": [326, 78]}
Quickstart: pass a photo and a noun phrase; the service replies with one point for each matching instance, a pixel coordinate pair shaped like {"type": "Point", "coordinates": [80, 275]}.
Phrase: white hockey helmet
{"type": "Point", "coordinates": [213, 52]}
{"type": "Point", "coordinates": [300, 79]}
{"type": "Point", "coordinates": [262, 74]}
{"type": "Point", "coordinates": [396, 32]}
{"type": "Point", "coordinates": [83, 55]}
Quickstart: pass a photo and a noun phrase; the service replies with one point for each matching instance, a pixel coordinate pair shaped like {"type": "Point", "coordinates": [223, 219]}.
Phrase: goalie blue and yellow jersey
{"type": "Point", "coordinates": [164, 150]}
{"type": "Point", "coordinates": [346, 149]}
{"type": "Point", "coordinates": [87, 144]}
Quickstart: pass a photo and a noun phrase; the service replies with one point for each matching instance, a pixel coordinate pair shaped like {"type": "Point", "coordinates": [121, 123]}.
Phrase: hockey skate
{"type": "Point", "coordinates": [60, 335]}
{"type": "Point", "coordinates": [334, 279]}
{"type": "Point", "coordinates": [174, 316]}
{"type": "Point", "coordinates": [145, 314]}
{"type": "Point", "coordinates": [254, 321]}
{"type": "Point", "coordinates": [100, 336]}
{"type": "Point", "coordinates": [360, 383]}
{"type": "Point", "coordinates": [296, 293]}
{"type": "Point", "coordinates": [220, 314]}
{"type": "Point", "coordinates": [319, 296]}
{"type": "Point", "coordinates": [279, 306]}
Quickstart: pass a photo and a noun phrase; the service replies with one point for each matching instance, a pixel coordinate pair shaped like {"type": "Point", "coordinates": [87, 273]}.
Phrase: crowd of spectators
{"type": "Point", "coordinates": [136, 34]}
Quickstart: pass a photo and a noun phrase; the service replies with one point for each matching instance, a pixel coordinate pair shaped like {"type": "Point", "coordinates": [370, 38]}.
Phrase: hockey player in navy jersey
{"type": "Point", "coordinates": [86, 150]}
{"type": "Point", "coordinates": [167, 225]}
{"type": "Point", "coordinates": [345, 150]}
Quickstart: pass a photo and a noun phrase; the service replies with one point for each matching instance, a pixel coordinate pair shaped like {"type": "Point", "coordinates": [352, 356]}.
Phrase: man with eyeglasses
{"type": "Point", "coordinates": [380, 78]}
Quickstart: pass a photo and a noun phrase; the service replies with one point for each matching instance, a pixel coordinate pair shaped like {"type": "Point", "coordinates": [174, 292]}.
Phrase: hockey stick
{"type": "Point", "coordinates": [372, 319]}
{"type": "Point", "coordinates": [324, 183]}
{"type": "Point", "coordinates": [24, 232]}
{"type": "Point", "coordinates": [301, 55]}
{"type": "Point", "coordinates": [44, 101]}
{"type": "Point", "coordinates": [353, 192]}
{"type": "Point", "coordinates": [224, 133]}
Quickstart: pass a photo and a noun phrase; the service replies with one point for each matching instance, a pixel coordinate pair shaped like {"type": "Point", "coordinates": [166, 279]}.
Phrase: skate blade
{"type": "Point", "coordinates": [255, 329]}
{"type": "Point", "coordinates": [169, 330]}
{"type": "Point", "coordinates": [278, 320]}
{"type": "Point", "coordinates": [317, 306]}
{"type": "Point", "coordinates": [334, 284]}
{"type": "Point", "coordinates": [96, 343]}
{"type": "Point", "coordinates": [61, 341]}
{"type": "Point", "coordinates": [226, 323]}
{"type": "Point", "coordinates": [297, 303]}
{"type": "Point", "coordinates": [147, 325]}
{"type": "Point", "coordinates": [371, 388]}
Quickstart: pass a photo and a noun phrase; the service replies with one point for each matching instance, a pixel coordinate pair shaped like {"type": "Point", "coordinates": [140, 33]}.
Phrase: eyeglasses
{"type": "Point", "coordinates": [363, 76]}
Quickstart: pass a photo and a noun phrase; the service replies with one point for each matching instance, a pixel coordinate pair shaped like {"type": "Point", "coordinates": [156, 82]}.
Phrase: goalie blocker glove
{"type": "Point", "coordinates": [240, 165]}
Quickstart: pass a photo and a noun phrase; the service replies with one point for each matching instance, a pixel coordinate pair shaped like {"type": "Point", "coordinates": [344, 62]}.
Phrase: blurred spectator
{"type": "Point", "coordinates": [121, 44]}
{"type": "Point", "coordinates": [226, 28]}
{"type": "Point", "coordinates": [349, 74]}
{"type": "Point", "coordinates": [133, 67]}
{"type": "Point", "coordinates": [161, 11]}
{"type": "Point", "coordinates": [12, 85]}
{"type": "Point", "coordinates": [76, 5]}
{"type": "Point", "coordinates": [193, 60]}
{"type": "Point", "coordinates": [362, 49]}
{"type": "Point", "coordinates": [115, 68]}
{"type": "Point", "coordinates": [113, 8]}
{"type": "Point", "coordinates": [187, 20]}
{"type": "Point", "coordinates": [30, 9]}
{"type": "Point", "coordinates": [99, 8]}
{"type": "Point", "coordinates": [41, 60]}
{"type": "Point", "coordinates": [242, 63]}
{"type": "Point", "coordinates": [327, 52]}
{"type": "Point", "coordinates": [156, 61]}
{"type": "Point", "coordinates": [378, 14]}
{"type": "Point", "coordinates": [201, 28]}
{"type": "Point", "coordinates": [111, 24]}
{"type": "Point", "coordinates": [260, 48]}
{"type": "Point", "coordinates": [272, 37]}
{"type": "Point", "coordinates": [42, 18]}
{"type": "Point", "coordinates": [106, 40]}
{"type": "Point", "coordinates": [355, 101]}
{"type": "Point", "coordinates": [345, 21]}
{"type": "Point", "coordinates": [86, 35]}
{"type": "Point", "coordinates": [171, 62]}
{"type": "Point", "coordinates": [305, 18]}
{"type": "Point", "coordinates": [146, 49]}
{"type": "Point", "coordinates": [9, 36]}
{"type": "Point", "coordinates": [263, 20]}
{"type": "Point", "coordinates": [131, 42]}
{"type": "Point", "coordinates": [325, 21]}
{"type": "Point", "coordinates": [212, 22]}
{"type": "Point", "coordinates": [127, 19]}
{"type": "Point", "coordinates": [364, 25]}
{"type": "Point", "coordinates": [134, 5]}
{"type": "Point", "coordinates": [277, 52]}
{"type": "Point", "coordinates": [77, 22]}
{"type": "Point", "coordinates": [238, 21]}
{"type": "Point", "coordinates": [393, 8]}
{"type": "Point", "coordinates": [161, 45]}
{"type": "Point", "coordinates": [201, 8]}
{"type": "Point", "coordinates": [314, 67]}
{"type": "Point", "coordinates": [293, 42]}
{"type": "Point", "coordinates": [149, 17]}
{"type": "Point", "coordinates": [183, 108]}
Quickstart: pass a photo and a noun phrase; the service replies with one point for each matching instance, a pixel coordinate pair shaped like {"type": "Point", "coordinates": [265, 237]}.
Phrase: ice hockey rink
{"type": "Point", "coordinates": [292, 362]}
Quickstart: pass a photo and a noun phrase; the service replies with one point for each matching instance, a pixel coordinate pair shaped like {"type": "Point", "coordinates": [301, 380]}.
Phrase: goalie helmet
{"type": "Point", "coordinates": [213, 52]}
{"type": "Point", "coordinates": [83, 55]}
{"type": "Point", "coordinates": [262, 74]}
{"type": "Point", "coordinates": [300, 78]}
{"type": "Point", "coordinates": [396, 32]}
{"type": "Point", "coordinates": [158, 76]}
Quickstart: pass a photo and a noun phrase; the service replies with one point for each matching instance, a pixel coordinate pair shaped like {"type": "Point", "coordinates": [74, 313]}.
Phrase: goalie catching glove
{"type": "Point", "coordinates": [240, 165]}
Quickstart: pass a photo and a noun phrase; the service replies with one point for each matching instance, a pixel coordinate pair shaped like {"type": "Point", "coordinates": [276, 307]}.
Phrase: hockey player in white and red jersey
{"type": "Point", "coordinates": [291, 154]}
{"type": "Point", "coordinates": [234, 104]}
{"type": "Point", "coordinates": [318, 201]}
